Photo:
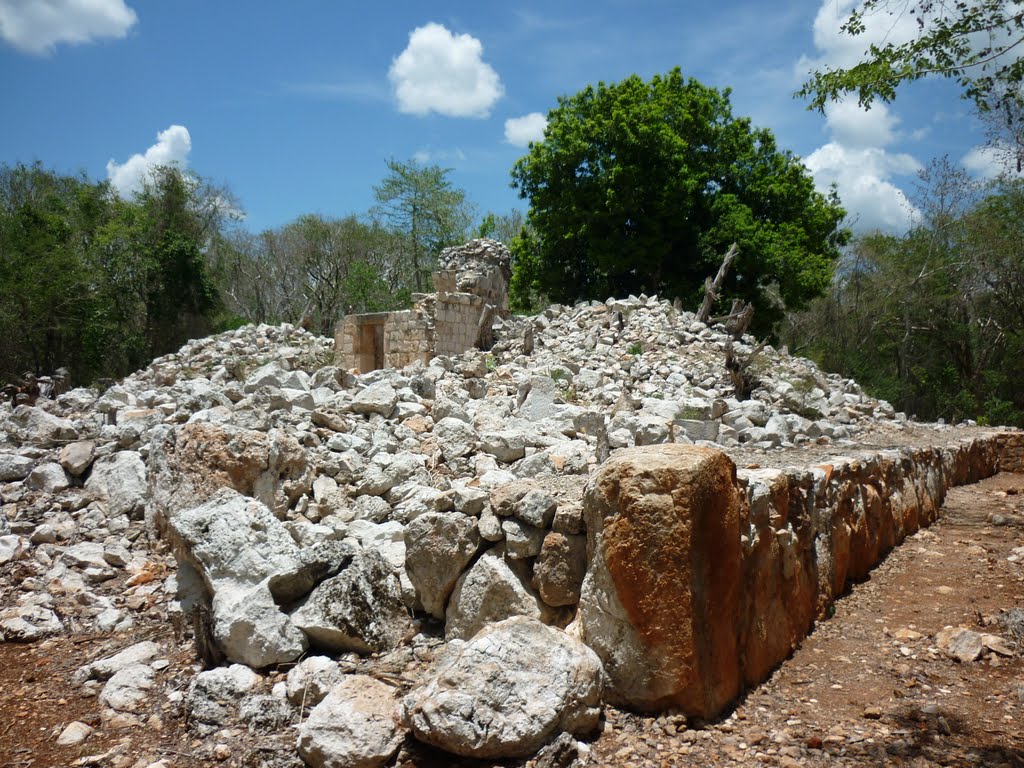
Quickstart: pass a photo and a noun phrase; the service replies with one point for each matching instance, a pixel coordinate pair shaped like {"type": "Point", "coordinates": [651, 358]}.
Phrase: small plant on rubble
{"type": "Point", "coordinates": [636, 348]}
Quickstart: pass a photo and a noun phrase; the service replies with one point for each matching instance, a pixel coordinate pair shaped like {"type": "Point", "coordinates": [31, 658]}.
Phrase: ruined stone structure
{"type": "Point", "coordinates": [471, 289]}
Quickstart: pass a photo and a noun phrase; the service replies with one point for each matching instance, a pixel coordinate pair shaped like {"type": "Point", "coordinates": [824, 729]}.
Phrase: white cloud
{"type": "Point", "coordinates": [444, 73]}
{"type": "Point", "coordinates": [37, 26]}
{"type": "Point", "coordinates": [989, 161]}
{"type": "Point", "coordinates": [520, 131]}
{"type": "Point", "coordinates": [425, 156]}
{"type": "Point", "coordinates": [171, 148]}
{"type": "Point", "coordinates": [853, 126]}
{"type": "Point", "coordinates": [838, 49]}
{"type": "Point", "coordinates": [862, 175]}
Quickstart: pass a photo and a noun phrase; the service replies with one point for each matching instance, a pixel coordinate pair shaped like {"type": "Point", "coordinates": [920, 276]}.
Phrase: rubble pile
{"type": "Point", "coordinates": [341, 546]}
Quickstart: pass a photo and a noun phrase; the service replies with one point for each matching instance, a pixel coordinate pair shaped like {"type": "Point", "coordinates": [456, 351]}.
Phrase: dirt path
{"type": "Point", "coordinates": [868, 688]}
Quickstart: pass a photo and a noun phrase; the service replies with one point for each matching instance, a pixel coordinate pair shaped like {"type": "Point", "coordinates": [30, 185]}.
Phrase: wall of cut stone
{"type": "Point", "coordinates": [703, 578]}
{"type": "Point", "coordinates": [407, 338]}
{"type": "Point", "coordinates": [404, 338]}
{"type": "Point", "coordinates": [456, 317]}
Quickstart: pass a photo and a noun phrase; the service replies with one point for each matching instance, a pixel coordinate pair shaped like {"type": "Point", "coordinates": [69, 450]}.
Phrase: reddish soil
{"type": "Point", "coordinates": [862, 690]}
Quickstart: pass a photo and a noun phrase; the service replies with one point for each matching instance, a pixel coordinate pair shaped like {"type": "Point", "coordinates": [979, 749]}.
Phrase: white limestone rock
{"type": "Point", "coordinates": [77, 457]}
{"type": "Point", "coordinates": [250, 628]}
{"type": "Point", "coordinates": [495, 696]}
{"type": "Point", "coordinates": [104, 669]}
{"type": "Point", "coordinates": [213, 696]}
{"type": "Point", "coordinates": [490, 591]}
{"type": "Point", "coordinates": [309, 681]}
{"type": "Point", "coordinates": [359, 610]}
{"type": "Point", "coordinates": [356, 726]}
{"type": "Point", "coordinates": [438, 547]}
{"type": "Point", "coordinates": [48, 477]}
{"type": "Point", "coordinates": [14, 467]}
{"type": "Point", "coordinates": [120, 482]}
{"type": "Point", "coordinates": [34, 425]}
{"type": "Point", "coordinates": [379, 398]}
{"type": "Point", "coordinates": [128, 689]}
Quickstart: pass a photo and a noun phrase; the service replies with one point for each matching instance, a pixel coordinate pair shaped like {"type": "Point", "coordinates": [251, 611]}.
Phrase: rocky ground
{"type": "Point", "coordinates": [313, 538]}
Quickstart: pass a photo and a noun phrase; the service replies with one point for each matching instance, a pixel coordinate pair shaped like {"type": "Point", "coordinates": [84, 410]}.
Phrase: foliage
{"type": "Point", "coordinates": [973, 43]}
{"type": "Point", "coordinates": [502, 227]}
{"type": "Point", "coordinates": [313, 271]}
{"type": "Point", "coordinates": [641, 186]}
{"type": "Point", "coordinates": [419, 202]}
{"type": "Point", "coordinates": [96, 283]}
{"type": "Point", "coordinates": [933, 321]}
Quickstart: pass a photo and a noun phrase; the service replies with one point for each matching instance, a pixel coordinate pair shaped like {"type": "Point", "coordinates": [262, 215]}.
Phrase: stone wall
{"type": "Point", "coordinates": [384, 339]}
{"type": "Point", "coordinates": [702, 578]}
{"type": "Point", "coordinates": [471, 283]}
{"type": "Point", "coordinates": [456, 319]}
{"type": "Point", "coordinates": [408, 337]}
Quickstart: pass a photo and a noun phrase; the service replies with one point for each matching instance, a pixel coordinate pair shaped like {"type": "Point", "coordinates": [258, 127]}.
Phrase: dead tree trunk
{"type": "Point", "coordinates": [739, 318]}
{"type": "Point", "coordinates": [742, 378]}
{"type": "Point", "coordinates": [712, 287]}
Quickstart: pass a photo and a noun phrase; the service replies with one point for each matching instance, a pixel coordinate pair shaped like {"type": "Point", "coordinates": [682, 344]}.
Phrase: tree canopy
{"type": "Point", "coordinates": [932, 321]}
{"type": "Point", "coordinates": [642, 186]}
{"type": "Point", "coordinates": [976, 43]}
{"type": "Point", "coordinates": [97, 283]}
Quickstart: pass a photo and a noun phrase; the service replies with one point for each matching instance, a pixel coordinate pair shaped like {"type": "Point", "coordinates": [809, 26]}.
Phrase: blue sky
{"type": "Point", "coordinates": [297, 106]}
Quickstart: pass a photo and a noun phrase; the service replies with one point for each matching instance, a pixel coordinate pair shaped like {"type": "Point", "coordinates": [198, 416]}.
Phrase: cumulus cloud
{"type": "Point", "coordinates": [37, 26]}
{"type": "Point", "coordinates": [171, 148]}
{"type": "Point", "coordinates": [520, 131]}
{"type": "Point", "coordinates": [853, 126]}
{"type": "Point", "coordinates": [862, 176]}
{"type": "Point", "coordinates": [838, 49]}
{"type": "Point", "coordinates": [444, 73]}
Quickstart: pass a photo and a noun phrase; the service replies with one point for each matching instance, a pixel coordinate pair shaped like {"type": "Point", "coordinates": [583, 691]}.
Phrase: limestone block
{"type": "Point", "coordinates": [661, 598]}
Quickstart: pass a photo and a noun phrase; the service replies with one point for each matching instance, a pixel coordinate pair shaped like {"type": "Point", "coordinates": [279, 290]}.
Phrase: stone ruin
{"type": "Point", "coordinates": [473, 553]}
{"type": "Point", "coordinates": [470, 291]}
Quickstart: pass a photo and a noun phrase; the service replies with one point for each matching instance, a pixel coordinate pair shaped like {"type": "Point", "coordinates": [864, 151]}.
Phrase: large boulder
{"type": "Point", "coordinates": [250, 564]}
{"type": "Point", "coordinates": [356, 726]}
{"type": "Point", "coordinates": [438, 547]}
{"type": "Point", "coordinates": [34, 425]}
{"type": "Point", "coordinates": [189, 464]}
{"type": "Point", "coordinates": [250, 628]}
{"type": "Point", "coordinates": [490, 591]}
{"type": "Point", "coordinates": [661, 598]}
{"type": "Point", "coordinates": [14, 467]}
{"type": "Point", "coordinates": [499, 695]}
{"type": "Point", "coordinates": [359, 610]}
{"type": "Point", "coordinates": [120, 483]}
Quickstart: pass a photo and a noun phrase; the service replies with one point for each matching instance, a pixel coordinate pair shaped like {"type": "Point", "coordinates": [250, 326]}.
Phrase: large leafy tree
{"type": "Point", "coordinates": [50, 309]}
{"type": "Point", "coordinates": [976, 43]}
{"type": "Point", "coordinates": [420, 202]}
{"type": "Point", "coordinates": [642, 186]}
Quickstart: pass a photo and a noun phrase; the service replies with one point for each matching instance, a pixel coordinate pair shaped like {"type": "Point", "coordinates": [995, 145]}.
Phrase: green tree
{"type": "Point", "coordinates": [420, 202]}
{"type": "Point", "coordinates": [313, 270]}
{"type": "Point", "coordinates": [973, 43]}
{"type": "Point", "coordinates": [642, 186]}
{"type": "Point", "coordinates": [932, 321]}
{"type": "Point", "coordinates": [51, 309]}
{"type": "Point", "coordinates": [502, 227]}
